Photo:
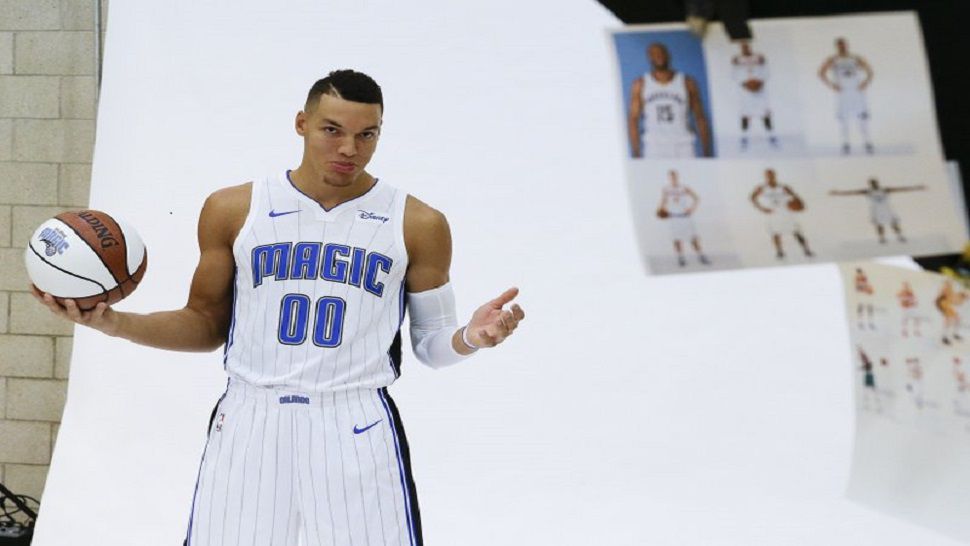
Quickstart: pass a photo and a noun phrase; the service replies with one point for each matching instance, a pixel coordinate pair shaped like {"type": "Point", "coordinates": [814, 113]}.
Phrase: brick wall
{"type": "Point", "coordinates": [47, 110]}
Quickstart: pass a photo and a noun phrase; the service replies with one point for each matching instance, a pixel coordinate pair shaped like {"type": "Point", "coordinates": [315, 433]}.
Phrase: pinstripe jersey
{"type": "Point", "coordinates": [318, 296]}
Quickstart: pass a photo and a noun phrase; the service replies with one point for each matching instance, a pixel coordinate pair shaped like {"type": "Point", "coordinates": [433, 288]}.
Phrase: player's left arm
{"type": "Point", "coordinates": [791, 193]}
{"type": "Point", "coordinates": [868, 70]}
{"type": "Point", "coordinates": [897, 189]}
{"type": "Point", "coordinates": [428, 241]}
{"type": "Point", "coordinates": [700, 119]}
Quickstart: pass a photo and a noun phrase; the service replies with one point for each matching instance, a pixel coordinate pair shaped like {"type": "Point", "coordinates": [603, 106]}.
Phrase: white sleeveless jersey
{"type": "Point", "coordinates": [665, 108]}
{"type": "Point", "coordinates": [677, 200]}
{"type": "Point", "coordinates": [775, 198]}
{"type": "Point", "coordinates": [319, 294]}
{"type": "Point", "coordinates": [847, 73]}
{"type": "Point", "coordinates": [749, 67]}
{"type": "Point", "coordinates": [878, 198]}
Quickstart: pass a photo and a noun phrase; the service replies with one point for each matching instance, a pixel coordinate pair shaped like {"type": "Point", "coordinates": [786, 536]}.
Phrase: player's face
{"type": "Point", "coordinates": [873, 183]}
{"type": "Point", "coordinates": [658, 55]}
{"type": "Point", "coordinates": [770, 178]}
{"type": "Point", "coordinates": [841, 46]}
{"type": "Point", "coordinates": [339, 138]}
{"type": "Point", "coordinates": [673, 179]}
{"type": "Point", "coordinates": [745, 48]}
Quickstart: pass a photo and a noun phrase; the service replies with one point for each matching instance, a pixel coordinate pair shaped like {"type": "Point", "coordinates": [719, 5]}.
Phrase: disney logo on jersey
{"type": "Point", "coordinates": [105, 238]}
{"type": "Point", "coordinates": [365, 215]}
{"type": "Point", "coordinates": [54, 241]}
{"type": "Point", "coordinates": [312, 260]}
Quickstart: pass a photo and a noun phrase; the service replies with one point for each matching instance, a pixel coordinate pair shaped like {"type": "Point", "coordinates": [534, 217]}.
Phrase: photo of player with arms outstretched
{"type": "Point", "coordinates": [880, 212]}
{"type": "Point", "coordinates": [780, 203]}
{"type": "Point", "coordinates": [677, 204]}
{"type": "Point", "coordinates": [662, 103]}
{"type": "Point", "coordinates": [849, 75]}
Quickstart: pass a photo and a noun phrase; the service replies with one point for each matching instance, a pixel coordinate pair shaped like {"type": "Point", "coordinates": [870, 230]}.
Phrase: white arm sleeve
{"type": "Point", "coordinates": [433, 323]}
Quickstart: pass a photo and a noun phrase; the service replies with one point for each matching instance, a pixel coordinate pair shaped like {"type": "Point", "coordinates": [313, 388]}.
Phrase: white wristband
{"type": "Point", "coordinates": [464, 339]}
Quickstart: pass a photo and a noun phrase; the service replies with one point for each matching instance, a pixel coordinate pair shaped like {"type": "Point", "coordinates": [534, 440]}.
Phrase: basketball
{"type": "Point", "coordinates": [662, 213]}
{"type": "Point", "coordinates": [796, 205]}
{"type": "Point", "coordinates": [86, 255]}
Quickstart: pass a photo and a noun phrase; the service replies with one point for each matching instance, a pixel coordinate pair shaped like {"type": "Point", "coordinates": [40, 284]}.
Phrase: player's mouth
{"type": "Point", "coordinates": [343, 167]}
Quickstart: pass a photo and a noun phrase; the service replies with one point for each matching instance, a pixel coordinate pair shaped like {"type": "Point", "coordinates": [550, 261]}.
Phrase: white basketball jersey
{"type": "Point", "coordinates": [775, 198]}
{"type": "Point", "coordinates": [665, 108]}
{"type": "Point", "coordinates": [878, 198]}
{"type": "Point", "coordinates": [749, 67]}
{"type": "Point", "coordinates": [847, 73]}
{"type": "Point", "coordinates": [677, 200]}
{"type": "Point", "coordinates": [318, 293]}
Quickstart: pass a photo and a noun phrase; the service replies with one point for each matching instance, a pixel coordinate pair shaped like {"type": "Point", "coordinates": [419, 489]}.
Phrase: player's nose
{"type": "Point", "coordinates": [348, 147]}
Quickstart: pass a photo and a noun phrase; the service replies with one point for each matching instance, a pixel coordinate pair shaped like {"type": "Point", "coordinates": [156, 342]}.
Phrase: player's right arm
{"type": "Point", "coordinates": [636, 112]}
{"type": "Point", "coordinates": [823, 73]}
{"type": "Point", "coordinates": [847, 192]}
{"type": "Point", "coordinates": [204, 321]}
{"type": "Point", "coordinates": [757, 204]}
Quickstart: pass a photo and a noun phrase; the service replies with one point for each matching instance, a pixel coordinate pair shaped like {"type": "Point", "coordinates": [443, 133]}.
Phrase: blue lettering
{"type": "Point", "coordinates": [376, 261]}
{"type": "Point", "coordinates": [306, 261]}
{"type": "Point", "coordinates": [271, 260]}
{"type": "Point", "coordinates": [294, 311]}
{"type": "Point", "coordinates": [335, 269]}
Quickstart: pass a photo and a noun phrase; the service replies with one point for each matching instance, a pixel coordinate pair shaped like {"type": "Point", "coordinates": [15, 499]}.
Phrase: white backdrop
{"type": "Point", "coordinates": [710, 409]}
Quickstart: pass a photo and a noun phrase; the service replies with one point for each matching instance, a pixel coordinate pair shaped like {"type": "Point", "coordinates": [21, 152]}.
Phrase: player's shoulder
{"type": "Point", "coordinates": [227, 207]}
{"type": "Point", "coordinates": [420, 215]}
{"type": "Point", "coordinates": [231, 197]}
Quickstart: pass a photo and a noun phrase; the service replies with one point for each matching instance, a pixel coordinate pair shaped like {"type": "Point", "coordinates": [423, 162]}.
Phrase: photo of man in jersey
{"type": "Point", "coordinates": [948, 303]}
{"type": "Point", "coordinates": [849, 75]}
{"type": "Point", "coordinates": [865, 296]}
{"type": "Point", "coordinates": [780, 203]}
{"type": "Point", "coordinates": [910, 310]}
{"type": "Point", "coordinates": [662, 104]}
{"type": "Point", "coordinates": [961, 402]}
{"type": "Point", "coordinates": [870, 395]}
{"type": "Point", "coordinates": [750, 72]}
{"type": "Point", "coordinates": [677, 204]}
{"type": "Point", "coordinates": [880, 212]}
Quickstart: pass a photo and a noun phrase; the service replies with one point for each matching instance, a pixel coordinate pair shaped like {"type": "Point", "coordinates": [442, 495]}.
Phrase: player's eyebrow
{"type": "Point", "coordinates": [339, 126]}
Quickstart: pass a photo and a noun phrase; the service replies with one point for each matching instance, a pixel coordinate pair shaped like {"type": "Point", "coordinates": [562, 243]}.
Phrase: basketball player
{"type": "Point", "coordinates": [750, 71]}
{"type": "Point", "coordinates": [864, 294]}
{"type": "Point", "coordinates": [914, 384]}
{"type": "Point", "coordinates": [948, 302]}
{"type": "Point", "coordinates": [665, 99]}
{"type": "Point", "coordinates": [302, 277]}
{"type": "Point", "coordinates": [909, 306]}
{"type": "Point", "coordinates": [870, 396]}
{"type": "Point", "coordinates": [780, 202]}
{"type": "Point", "coordinates": [962, 400]}
{"type": "Point", "coordinates": [849, 75]}
{"type": "Point", "coordinates": [881, 212]}
{"type": "Point", "coordinates": [677, 204]}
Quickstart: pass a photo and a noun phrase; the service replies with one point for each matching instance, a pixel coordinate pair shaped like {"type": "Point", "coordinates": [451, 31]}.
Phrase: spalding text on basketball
{"type": "Point", "coordinates": [105, 237]}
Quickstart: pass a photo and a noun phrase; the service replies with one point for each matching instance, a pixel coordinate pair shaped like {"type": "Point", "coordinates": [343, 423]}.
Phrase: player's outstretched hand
{"type": "Point", "coordinates": [491, 324]}
{"type": "Point", "coordinates": [99, 318]}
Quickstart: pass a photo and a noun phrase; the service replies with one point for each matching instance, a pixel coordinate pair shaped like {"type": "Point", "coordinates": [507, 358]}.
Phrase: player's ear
{"type": "Point", "coordinates": [300, 123]}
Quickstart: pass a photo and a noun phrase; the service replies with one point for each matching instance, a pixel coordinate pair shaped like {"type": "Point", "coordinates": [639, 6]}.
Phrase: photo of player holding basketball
{"type": "Point", "coordinates": [663, 103]}
{"type": "Point", "coordinates": [304, 278]}
{"type": "Point", "coordinates": [780, 203]}
{"type": "Point", "coordinates": [881, 213]}
{"type": "Point", "coordinates": [750, 72]}
{"type": "Point", "coordinates": [948, 304]}
{"type": "Point", "coordinates": [910, 310]}
{"type": "Point", "coordinates": [677, 204]}
{"type": "Point", "coordinates": [849, 75]}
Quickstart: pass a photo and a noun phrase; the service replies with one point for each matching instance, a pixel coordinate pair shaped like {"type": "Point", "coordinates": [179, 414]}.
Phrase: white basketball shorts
{"type": "Point", "coordinates": [754, 104]}
{"type": "Point", "coordinates": [660, 147]}
{"type": "Point", "coordinates": [681, 228]}
{"type": "Point", "coordinates": [331, 468]}
{"type": "Point", "coordinates": [852, 105]}
{"type": "Point", "coordinates": [782, 221]}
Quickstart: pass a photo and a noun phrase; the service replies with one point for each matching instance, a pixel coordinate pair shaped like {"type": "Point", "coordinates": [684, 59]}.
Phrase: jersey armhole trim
{"type": "Point", "coordinates": [256, 194]}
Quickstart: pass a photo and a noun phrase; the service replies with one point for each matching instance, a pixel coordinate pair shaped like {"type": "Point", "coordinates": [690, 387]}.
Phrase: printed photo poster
{"type": "Point", "coordinates": [910, 367]}
{"type": "Point", "coordinates": [815, 141]}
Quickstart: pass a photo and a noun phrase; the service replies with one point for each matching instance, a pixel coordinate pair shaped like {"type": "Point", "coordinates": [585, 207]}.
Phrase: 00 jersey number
{"type": "Point", "coordinates": [328, 320]}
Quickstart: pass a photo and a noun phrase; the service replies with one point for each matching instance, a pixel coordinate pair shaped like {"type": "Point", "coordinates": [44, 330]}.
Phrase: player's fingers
{"type": "Point", "coordinates": [505, 297]}
{"type": "Point", "coordinates": [54, 307]}
{"type": "Point", "coordinates": [488, 340]}
{"type": "Point", "coordinates": [511, 323]}
{"type": "Point", "coordinates": [97, 312]}
{"type": "Point", "coordinates": [518, 312]}
{"type": "Point", "coordinates": [73, 311]}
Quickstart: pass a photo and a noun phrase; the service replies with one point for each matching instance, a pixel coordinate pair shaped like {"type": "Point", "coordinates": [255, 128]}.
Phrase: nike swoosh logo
{"type": "Point", "coordinates": [274, 214]}
{"type": "Point", "coordinates": [358, 430]}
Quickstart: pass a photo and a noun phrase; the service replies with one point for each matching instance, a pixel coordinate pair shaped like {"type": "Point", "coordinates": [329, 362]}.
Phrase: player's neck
{"type": "Point", "coordinates": [663, 75]}
{"type": "Point", "coordinates": [316, 186]}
